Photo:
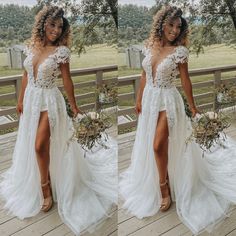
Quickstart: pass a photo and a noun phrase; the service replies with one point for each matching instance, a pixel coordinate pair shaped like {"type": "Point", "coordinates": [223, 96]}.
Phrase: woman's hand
{"type": "Point", "coordinates": [138, 107]}
{"type": "Point", "coordinates": [19, 108]}
{"type": "Point", "coordinates": [75, 111]}
{"type": "Point", "coordinates": [194, 111]}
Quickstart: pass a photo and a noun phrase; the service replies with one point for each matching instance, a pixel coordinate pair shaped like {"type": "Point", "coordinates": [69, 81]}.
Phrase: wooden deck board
{"type": "Point", "coordinates": [48, 224]}
{"type": "Point", "coordinates": [168, 223]}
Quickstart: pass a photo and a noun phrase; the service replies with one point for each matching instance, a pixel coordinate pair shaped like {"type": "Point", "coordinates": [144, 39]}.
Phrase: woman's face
{"type": "Point", "coordinates": [172, 29]}
{"type": "Point", "coordinates": [53, 29]}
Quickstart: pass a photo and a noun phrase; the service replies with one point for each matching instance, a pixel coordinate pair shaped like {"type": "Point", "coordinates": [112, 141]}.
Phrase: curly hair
{"type": "Point", "coordinates": [38, 31]}
{"type": "Point", "coordinates": [166, 14]}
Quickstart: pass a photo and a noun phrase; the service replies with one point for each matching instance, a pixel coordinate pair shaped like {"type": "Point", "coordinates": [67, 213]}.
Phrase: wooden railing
{"type": "Point", "coordinates": [200, 98]}
{"type": "Point", "coordinates": [91, 85]}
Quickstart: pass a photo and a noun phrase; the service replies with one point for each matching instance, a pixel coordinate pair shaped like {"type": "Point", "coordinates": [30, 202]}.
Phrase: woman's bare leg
{"type": "Point", "coordinates": [160, 146]}
{"type": "Point", "coordinates": [42, 145]}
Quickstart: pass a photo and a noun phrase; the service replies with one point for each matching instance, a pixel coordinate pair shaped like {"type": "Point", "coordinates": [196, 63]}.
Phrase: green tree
{"type": "Point", "coordinates": [211, 21]}
{"type": "Point", "coordinates": [88, 18]}
{"type": "Point", "coordinates": [134, 24]}
{"type": "Point", "coordinates": [15, 23]}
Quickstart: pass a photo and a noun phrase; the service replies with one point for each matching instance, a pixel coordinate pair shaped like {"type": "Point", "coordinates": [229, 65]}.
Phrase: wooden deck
{"type": "Point", "coordinates": [48, 224]}
{"type": "Point", "coordinates": [168, 223]}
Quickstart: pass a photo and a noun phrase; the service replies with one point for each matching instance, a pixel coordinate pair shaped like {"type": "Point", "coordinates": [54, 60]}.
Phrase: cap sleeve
{"type": "Point", "coordinates": [181, 55]}
{"type": "Point", "coordinates": [63, 55]}
{"type": "Point", "coordinates": [26, 51]}
{"type": "Point", "coordinates": [145, 51]}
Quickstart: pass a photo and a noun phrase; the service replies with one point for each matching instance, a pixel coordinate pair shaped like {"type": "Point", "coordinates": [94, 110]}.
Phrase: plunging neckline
{"type": "Point", "coordinates": [155, 68]}
{"type": "Point", "coordinates": [35, 75]}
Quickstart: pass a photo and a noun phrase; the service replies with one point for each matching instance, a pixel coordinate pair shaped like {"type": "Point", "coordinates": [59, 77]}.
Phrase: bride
{"type": "Point", "coordinates": [162, 167]}
{"type": "Point", "coordinates": [47, 165]}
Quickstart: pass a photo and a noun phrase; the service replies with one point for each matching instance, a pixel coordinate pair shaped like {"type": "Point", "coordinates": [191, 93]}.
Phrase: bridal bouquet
{"type": "Point", "coordinates": [225, 94]}
{"type": "Point", "coordinates": [107, 93]}
{"type": "Point", "coordinates": [207, 128]}
{"type": "Point", "coordinates": [89, 128]}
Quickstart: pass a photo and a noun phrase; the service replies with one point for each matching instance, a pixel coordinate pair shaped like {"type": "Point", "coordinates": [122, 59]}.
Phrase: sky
{"type": "Point", "coordinates": [147, 3]}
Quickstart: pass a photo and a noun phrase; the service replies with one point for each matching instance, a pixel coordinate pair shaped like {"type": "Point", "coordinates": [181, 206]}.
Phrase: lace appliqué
{"type": "Point", "coordinates": [167, 70]}
{"type": "Point", "coordinates": [63, 55]}
{"type": "Point", "coordinates": [166, 75]}
{"type": "Point", "coordinates": [48, 70]}
{"type": "Point", "coordinates": [181, 55]}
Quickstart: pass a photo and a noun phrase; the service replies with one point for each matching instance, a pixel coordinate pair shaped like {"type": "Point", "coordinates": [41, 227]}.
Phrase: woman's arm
{"type": "Point", "coordinates": [69, 87]}
{"type": "Point", "coordinates": [187, 87]}
{"type": "Point", "coordinates": [138, 106]}
{"type": "Point", "coordinates": [19, 107]}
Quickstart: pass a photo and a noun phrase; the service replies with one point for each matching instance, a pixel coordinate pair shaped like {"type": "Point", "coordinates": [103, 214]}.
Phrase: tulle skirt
{"type": "Point", "coordinates": [203, 187]}
{"type": "Point", "coordinates": [84, 188]}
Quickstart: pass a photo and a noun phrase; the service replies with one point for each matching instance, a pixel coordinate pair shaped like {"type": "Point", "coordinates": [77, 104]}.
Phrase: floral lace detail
{"type": "Point", "coordinates": [48, 70]}
{"type": "Point", "coordinates": [167, 69]}
{"type": "Point", "coordinates": [181, 55]}
{"type": "Point", "coordinates": [163, 86]}
{"type": "Point", "coordinates": [63, 56]}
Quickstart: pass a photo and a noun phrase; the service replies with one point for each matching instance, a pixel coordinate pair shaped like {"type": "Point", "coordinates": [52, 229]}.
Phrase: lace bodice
{"type": "Point", "coordinates": [48, 71]}
{"type": "Point", "coordinates": [167, 69]}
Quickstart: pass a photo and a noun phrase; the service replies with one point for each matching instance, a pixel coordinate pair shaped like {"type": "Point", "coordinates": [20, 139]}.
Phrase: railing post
{"type": "Point", "coordinates": [17, 87]}
{"type": "Point", "coordinates": [136, 84]}
{"type": "Point", "coordinates": [99, 79]}
{"type": "Point", "coordinates": [217, 81]}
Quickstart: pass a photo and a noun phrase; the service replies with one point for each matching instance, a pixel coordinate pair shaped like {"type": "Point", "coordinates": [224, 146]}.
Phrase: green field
{"type": "Point", "coordinates": [215, 55]}
{"type": "Point", "coordinates": [97, 55]}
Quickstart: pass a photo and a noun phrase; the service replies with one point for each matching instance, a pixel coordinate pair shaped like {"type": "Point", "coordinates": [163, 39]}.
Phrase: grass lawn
{"type": "Point", "coordinates": [214, 55]}
{"type": "Point", "coordinates": [97, 55]}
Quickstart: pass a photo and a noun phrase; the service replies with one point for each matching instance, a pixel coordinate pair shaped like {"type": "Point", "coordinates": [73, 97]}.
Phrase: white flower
{"type": "Point", "coordinates": [102, 97]}
{"type": "Point", "coordinates": [79, 117]}
{"type": "Point", "coordinates": [93, 115]}
{"type": "Point", "coordinates": [197, 117]}
{"type": "Point", "coordinates": [220, 97]}
{"type": "Point", "coordinates": [212, 115]}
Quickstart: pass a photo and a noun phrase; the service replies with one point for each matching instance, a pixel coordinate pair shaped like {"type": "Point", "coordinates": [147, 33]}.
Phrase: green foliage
{"type": "Point", "coordinates": [210, 21]}
{"type": "Point", "coordinates": [92, 21]}
{"type": "Point", "coordinates": [134, 24]}
{"type": "Point", "coordinates": [15, 24]}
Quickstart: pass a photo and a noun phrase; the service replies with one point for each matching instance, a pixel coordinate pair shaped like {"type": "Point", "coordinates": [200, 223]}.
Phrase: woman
{"type": "Point", "coordinates": [47, 164]}
{"type": "Point", "coordinates": [162, 167]}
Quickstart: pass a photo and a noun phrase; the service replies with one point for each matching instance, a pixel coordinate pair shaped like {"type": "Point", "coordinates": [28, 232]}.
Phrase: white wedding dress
{"type": "Point", "coordinates": [84, 188]}
{"type": "Point", "coordinates": [203, 187]}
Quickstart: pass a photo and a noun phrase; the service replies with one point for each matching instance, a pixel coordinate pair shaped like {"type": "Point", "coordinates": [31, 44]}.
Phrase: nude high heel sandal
{"type": "Point", "coordinates": [166, 198]}
{"type": "Point", "coordinates": [48, 201]}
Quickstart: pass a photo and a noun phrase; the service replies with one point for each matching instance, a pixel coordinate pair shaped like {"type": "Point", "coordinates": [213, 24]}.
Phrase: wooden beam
{"type": "Point", "coordinates": [8, 111]}
{"type": "Point", "coordinates": [9, 125]}
{"type": "Point", "coordinates": [127, 125]}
